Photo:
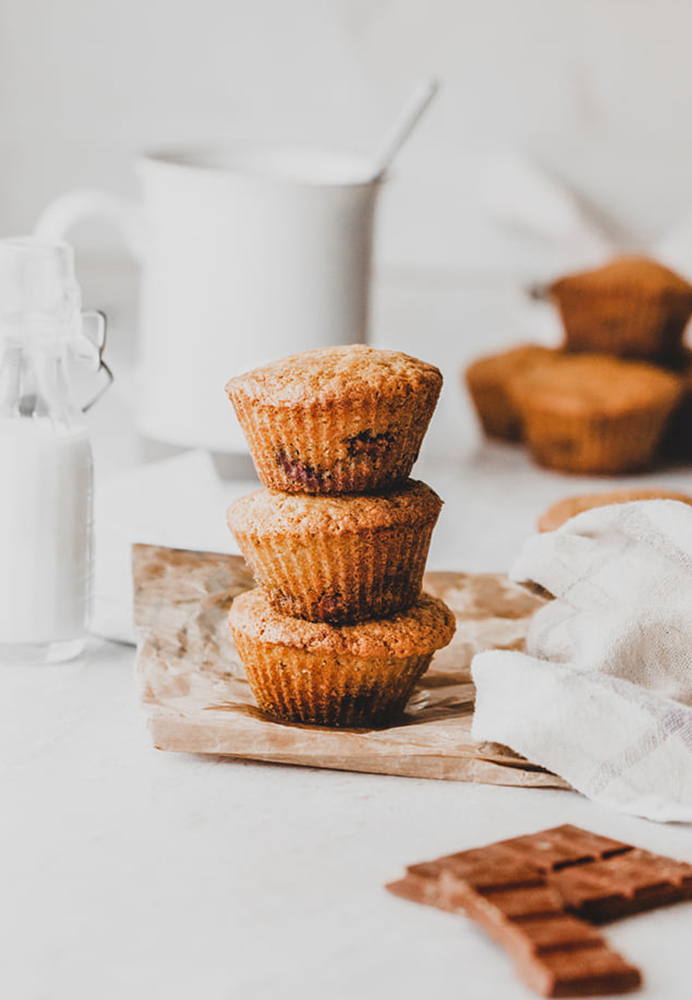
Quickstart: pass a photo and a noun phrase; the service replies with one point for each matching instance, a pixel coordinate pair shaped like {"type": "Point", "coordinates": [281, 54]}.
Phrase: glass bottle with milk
{"type": "Point", "coordinates": [45, 459]}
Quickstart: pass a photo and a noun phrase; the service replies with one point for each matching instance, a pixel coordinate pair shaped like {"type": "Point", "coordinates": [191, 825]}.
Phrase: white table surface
{"type": "Point", "coordinates": [132, 873]}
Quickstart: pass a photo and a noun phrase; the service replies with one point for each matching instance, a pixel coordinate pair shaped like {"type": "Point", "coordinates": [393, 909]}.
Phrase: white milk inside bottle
{"type": "Point", "coordinates": [45, 459]}
{"type": "Point", "coordinates": [45, 532]}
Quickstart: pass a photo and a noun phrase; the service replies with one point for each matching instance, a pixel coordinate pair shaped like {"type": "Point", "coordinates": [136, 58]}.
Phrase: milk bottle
{"type": "Point", "coordinates": [45, 458]}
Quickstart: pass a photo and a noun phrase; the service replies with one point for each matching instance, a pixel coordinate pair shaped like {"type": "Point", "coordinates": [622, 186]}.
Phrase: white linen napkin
{"type": "Point", "coordinates": [602, 695]}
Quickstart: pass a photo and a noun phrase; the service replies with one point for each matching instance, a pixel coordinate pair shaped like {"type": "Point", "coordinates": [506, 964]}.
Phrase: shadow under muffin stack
{"type": "Point", "coordinates": [338, 631]}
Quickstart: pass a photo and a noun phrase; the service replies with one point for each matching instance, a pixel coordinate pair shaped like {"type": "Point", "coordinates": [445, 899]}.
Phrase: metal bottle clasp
{"type": "Point", "coordinates": [90, 347]}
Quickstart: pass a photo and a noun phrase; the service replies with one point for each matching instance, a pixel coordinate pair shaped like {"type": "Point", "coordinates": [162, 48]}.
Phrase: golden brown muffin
{"type": "Point", "coordinates": [632, 307]}
{"type": "Point", "coordinates": [337, 558]}
{"type": "Point", "coordinates": [328, 675]}
{"type": "Point", "coordinates": [563, 510]}
{"type": "Point", "coordinates": [337, 420]}
{"type": "Point", "coordinates": [594, 413]}
{"type": "Point", "coordinates": [487, 380]}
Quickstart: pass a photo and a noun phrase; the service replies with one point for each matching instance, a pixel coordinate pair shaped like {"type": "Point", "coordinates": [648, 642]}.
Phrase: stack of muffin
{"type": "Point", "coordinates": [338, 631]}
{"type": "Point", "coordinates": [617, 393]}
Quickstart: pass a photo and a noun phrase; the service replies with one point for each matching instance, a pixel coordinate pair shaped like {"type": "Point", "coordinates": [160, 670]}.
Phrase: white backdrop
{"type": "Point", "coordinates": [599, 91]}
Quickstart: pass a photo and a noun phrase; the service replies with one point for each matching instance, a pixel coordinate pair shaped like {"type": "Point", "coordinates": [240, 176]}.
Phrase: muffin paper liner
{"type": "Point", "coordinates": [594, 444]}
{"type": "Point", "coordinates": [351, 577]}
{"type": "Point", "coordinates": [623, 323]}
{"type": "Point", "coordinates": [320, 689]}
{"type": "Point", "coordinates": [335, 446]}
{"type": "Point", "coordinates": [497, 414]}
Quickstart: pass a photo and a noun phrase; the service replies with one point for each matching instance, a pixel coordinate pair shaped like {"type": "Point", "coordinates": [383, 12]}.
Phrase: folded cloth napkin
{"type": "Point", "coordinates": [602, 694]}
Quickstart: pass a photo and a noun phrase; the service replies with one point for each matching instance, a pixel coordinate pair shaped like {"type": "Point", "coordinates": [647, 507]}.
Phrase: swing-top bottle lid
{"type": "Point", "coordinates": [39, 293]}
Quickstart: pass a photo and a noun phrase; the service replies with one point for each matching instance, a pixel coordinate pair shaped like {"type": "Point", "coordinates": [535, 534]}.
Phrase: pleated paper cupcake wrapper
{"type": "Point", "coordinates": [335, 447]}
{"type": "Point", "coordinates": [340, 579]}
{"type": "Point", "coordinates": [601, 445]}
{"type": "Point", "coordinates": [496, 411]}
{"type": "Point", "coordinates": [314, 688]}
{"type": "Point", "coordinates": [627, 324]}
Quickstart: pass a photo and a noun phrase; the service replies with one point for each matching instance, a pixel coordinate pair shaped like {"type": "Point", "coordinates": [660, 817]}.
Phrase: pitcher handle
{"type": "Point", "coordinates": [67, 210]}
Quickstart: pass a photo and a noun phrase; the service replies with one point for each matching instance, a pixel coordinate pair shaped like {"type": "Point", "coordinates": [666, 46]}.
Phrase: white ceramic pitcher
{"type": "Point", "coordinates": [249, 252]}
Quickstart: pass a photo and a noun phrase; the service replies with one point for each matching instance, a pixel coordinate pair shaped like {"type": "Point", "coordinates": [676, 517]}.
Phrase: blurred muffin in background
{"type": "Point", "coordinates": [631, 307]}
{"type": "Point", "coordinates": [487, 380]}
{"type": "Point", "coordinates": [594, 413]}
{"type": "Point", "coordinates": [563, 510]}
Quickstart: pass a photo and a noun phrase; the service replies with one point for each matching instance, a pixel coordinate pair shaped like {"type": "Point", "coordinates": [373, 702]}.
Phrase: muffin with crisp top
{"type": "Point", "coordinates": [349, 675]}
{"type": "Point", "coordinates": [486, 380]}
{"type": "Point", "coordinates": [336, 420]}
{"type": "Point", "coordinates": [631, 307]}
{"type": "Point", "coordinates": [339, 558]}
{"type": "Point", "coordinates": [594, 413]}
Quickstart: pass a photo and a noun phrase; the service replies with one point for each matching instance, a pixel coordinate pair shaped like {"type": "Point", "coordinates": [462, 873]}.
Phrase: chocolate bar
{"type": "Point", "coordinates": [599, 879]}
{"type": "Point", "coordinates": [538, 895]}
{"type": "Point", "coordinates": [555, 953]}
{"type": "Point", "coordinates": [629, 883]}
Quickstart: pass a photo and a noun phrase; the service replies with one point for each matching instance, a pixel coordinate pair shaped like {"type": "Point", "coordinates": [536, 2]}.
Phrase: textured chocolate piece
{"type": "Point", "coordinates": [554, 953]}
{"type": "Point", "coordinates": [630, 882]}
{"type": "Point", "coordinates": [598, 878]}
{"type": "Point", "coordinates": [596, 971]}
{"type": "Point", "coordinates": [549, 850]}
{"type": "Point", "coordinates": [534, 894]}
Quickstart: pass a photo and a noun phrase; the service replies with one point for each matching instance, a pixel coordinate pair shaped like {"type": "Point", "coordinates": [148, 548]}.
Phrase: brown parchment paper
{"type": "Point", "coordinates": [192, 684]}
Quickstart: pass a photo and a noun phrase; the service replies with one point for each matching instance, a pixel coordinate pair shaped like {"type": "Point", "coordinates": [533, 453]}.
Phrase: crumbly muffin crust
{"type": "Point", "coordinates": [494, 368]}
{"type": "Point", "coordinates": [627, 270]}
{"type": "Point", "coordinates": [328, 373]}
{"type": "Point", "coordinates": [270, 512]}
{"type": "Point", "coordinates": [426, 626]}
{"type": "Point", "coordinates": [564, 509]}
{"type": "Point", "coordinates": [594, 384]}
